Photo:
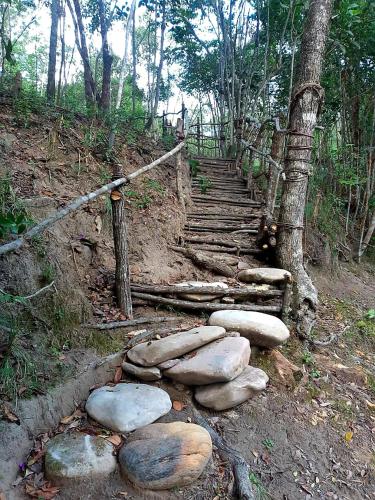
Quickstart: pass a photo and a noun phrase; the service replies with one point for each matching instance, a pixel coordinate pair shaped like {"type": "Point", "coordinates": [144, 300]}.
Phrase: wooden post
{"type": "Point", "coordinates": [180, 137]}
{"type": "Point", "coordinates": [120, 239]}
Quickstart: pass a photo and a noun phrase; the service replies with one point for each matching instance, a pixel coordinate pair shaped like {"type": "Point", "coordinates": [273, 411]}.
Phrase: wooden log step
{"type": "Point", "coordinates": [217, 242]}
{"type": "Point", "coordinates": [223, 199]}
{"type": "Point", "coordinates": [244, 291]}
{"type": "Point", "coordinates": [221, 188]}
{"type": "Point", "coordinates": [223, 227]}
{"type": "Point", "coordinates": [234, 250]}
{"type": "Point", "coordinates": [223, 217]}
{"type": "Point", "coordinates": [208, 230]}
{"type": "Point", "coordinates": [207, 306]}
{"type": "Point", "coordinates": [208, 200]}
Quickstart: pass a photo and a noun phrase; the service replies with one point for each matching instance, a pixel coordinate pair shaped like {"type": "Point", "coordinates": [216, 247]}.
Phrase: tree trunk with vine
{"type": "Point", "coordinates": [305, 105]}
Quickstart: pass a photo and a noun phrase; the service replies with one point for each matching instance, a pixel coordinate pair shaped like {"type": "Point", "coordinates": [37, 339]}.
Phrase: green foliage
{"type": "Point", "coordinates": [13, 216]}
{"type": "Point", "coordinates": [255, 481]}
{"type": "Point", "coordinates": [27, 102]}
{"type": "Point", "coordinates": [194, 167]}
{"type": "Point", "coordinates": [268, 443]}
{"type": "Point", "coordinates": [204, 183]}
{"type": "Point", "coordinates": [168, 141]}
{"type": "Point", "coordinates": [307, 358]}
{"type": "Point", "coordinates": [154, 185]}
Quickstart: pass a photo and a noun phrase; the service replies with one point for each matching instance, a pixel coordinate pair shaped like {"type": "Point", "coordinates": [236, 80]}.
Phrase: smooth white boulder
{"type": "Point", "coordinates": [269, 275]}
{"type": "Point", "coordinates": [248, 384]}
{"type": "Point", "coordinates": [125, 407]}
{"type": "Point", "coordinates": [219, 361]}
{"type": "Point", "coordinates": [198, 297]}
{"type": "Point", "coordinates": [78, 456]}
{"type": "Point", "coordinates": [157, 351]}
{"type": "Point", "coordinates": [261, 329]}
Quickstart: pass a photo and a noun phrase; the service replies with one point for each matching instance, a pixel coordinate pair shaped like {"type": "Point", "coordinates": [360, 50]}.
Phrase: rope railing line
{"type": "Point", "coordinates": [82, 200]}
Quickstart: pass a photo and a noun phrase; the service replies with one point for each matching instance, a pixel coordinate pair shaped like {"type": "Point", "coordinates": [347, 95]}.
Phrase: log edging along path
{"type": "Point", "coordinates": [82, 200]}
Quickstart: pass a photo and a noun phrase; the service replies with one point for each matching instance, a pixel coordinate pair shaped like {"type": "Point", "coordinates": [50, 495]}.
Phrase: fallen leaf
{"type": "Point", "coordinates": [348, 436]}
{"type": "Point", "coordinates": [9, 414]}
{"type": "Point", "coordinates": [35, 458]}
{"type": "Point", "coordinates": [118, 375]}
{"type": "Point", "coordinates": [67, 420]}
{"type": "Point", "coordinates": [370, 405]}
{"type": "Point", "coordinates": [178, 406]}
{"type": "Point", "coordinates": [46, 492]}
{"type": "Point", "coordinates": [21, 390]}
{"type": "Point", "coordinates": [115, 439]}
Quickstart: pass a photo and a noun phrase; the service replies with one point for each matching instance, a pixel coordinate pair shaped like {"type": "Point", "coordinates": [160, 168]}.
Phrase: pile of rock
{"type": "Point", "coordinates": [214, 359]}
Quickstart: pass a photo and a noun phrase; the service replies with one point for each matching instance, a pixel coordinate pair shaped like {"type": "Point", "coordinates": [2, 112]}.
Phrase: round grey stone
{"type": "Point", "coordinates": [78, 456]}
{"type": "Point", "coordinates": [125, 407]}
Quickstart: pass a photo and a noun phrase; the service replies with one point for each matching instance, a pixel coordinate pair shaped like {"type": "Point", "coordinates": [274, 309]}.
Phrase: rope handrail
{"type": "Point", "coordinates": [82, 200]}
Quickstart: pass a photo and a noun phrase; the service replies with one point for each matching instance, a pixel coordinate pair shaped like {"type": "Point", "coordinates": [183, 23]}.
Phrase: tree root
{"type": "Point", "coordinates": [239, 465]}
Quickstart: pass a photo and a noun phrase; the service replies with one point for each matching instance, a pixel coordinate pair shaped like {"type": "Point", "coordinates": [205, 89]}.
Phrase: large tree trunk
{"type": "Point", "coordinates": [105, 98]}
{"type": "Point", "coordinates": [51, 81]}
{"type": "Point", "coordinates": [304, 107]}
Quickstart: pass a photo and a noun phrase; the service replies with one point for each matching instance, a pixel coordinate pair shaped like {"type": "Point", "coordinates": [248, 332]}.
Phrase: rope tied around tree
{"type": "Point", "coordinates": [302, 88]}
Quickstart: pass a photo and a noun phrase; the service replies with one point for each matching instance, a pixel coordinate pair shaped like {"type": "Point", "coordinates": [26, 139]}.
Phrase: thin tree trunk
{"type": "Point", "coordinates": [105, 98]}
{"type": "Point", "coordinates": [160, 67]}
{"type": "Point", "coordinates": [51, 79]}
{"type": "Point", "coordinates": [80, 37]}
{"type": "Point", "coordinates": [124, 63]}
{"type": "Point", "coordinates": [305, 104]}
{"type": "Point", "coordinates": [134, 61]}
{"type": "Point", "coordinates": [367, 238]}
{"type": "Point", "coordinates": [277, 148]}
{"type": "Point", "coordinates": [120, 239]}
{"type": "Point", "coordinates": [63, 54]}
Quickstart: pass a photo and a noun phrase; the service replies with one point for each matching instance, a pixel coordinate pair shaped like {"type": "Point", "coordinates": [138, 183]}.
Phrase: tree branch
{"type": "Point", "coordinates": [82, 200]}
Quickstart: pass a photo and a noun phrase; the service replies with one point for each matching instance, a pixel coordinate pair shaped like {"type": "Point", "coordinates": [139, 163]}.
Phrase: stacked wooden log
{"type": "Point", "coordinates": [261, 298]}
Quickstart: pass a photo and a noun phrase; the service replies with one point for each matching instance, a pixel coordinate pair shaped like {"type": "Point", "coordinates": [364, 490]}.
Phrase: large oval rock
{"type": "Point", "coordinates": [163, 456]}
{"type": "Point", "coordinates": [261, 329]}
{"type": "Point", "coordinates": [219, 361]}
{"type": "Point", "coordinates": [223, 396]}
{"type": "Point", "coordinates": [156, 352]}
{"type": "Point", "coordinates": [78, 456]}
{"type": "Point", "coordinates": [200, 284]}
{"type": "Point", "coordinates": [125, 407]}
{"type": "Point", "coordinates": [269, 275]}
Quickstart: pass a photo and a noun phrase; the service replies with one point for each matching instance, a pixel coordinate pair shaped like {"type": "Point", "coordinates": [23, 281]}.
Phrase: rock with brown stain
{"type": "Point", "coordinates": [164, 456]}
